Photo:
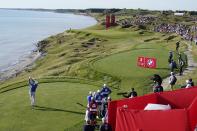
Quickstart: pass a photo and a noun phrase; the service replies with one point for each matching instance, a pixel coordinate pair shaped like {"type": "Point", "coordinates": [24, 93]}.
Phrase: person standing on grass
{"type": "Point", "coordinates": [98, 99]}
{"type": "Point", "coordinates": [33, 84]}
{"type": "Point", "coordinates": [181, 65]}
{"type": "Point", "coordinates": [89, 97]}
{"type": "Point", "coordinates": [104, 107]}
{"type": "Point", "coordinates": [157, 79]}
{"type": "Point", "coordinates": [170, 57]}
{"type": "Point", "coordinates": [157, 88]}
{"type": "Point", "coordinates": [177, 45]}
{"type": "Point", "coordinates": [105, 91]}
{"type": "Point", "coordinates": [88, 126]}
{"type": "Point", "coordinates": [93, 111]}
{"type": "Point", "coordinates": [172, 80]}
{"type": "Point", "coordinates": [131, 94]}
{"type": "Point", "coordinates": [191, 39]}
{"type": "Point", "coordinates": [105, 125]}
{"type": "Point", "coordinates": [173, 65]}
{"type": "Point", "coordinates": [180, 58]}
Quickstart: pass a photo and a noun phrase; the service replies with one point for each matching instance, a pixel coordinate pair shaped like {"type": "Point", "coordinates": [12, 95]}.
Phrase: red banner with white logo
{"type": "Point", "coordinates": [147, 62]}
{"type": "Point", "coordinates": [141, 62]}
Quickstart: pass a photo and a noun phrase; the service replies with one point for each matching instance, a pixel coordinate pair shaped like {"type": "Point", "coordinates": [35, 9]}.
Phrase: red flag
{"type": "Point", "coordinates": [141, 62]}
{"type": "Point", "coordinates": [113, 19]}
{"type": "Point", "coordinates": [107, 21]}
{"type": "Point", "coordinates": [150, 63]}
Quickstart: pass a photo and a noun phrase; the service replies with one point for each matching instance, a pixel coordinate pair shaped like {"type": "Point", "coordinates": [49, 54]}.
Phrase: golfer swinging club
{"type": "Point", "coordinates": [33, 84]}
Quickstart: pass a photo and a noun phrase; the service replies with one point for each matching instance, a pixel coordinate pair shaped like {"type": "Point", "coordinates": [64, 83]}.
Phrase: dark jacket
{"type": "Point", "coordinates": [105, 127]}
{"type": "Point", "coordinates": [88, 127]}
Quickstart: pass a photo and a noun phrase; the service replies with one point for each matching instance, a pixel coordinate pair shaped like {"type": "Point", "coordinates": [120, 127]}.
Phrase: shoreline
{"type": "Point", "coordinates": [27, 61]}
{"type": "Point", "coordinates": [19, 67]}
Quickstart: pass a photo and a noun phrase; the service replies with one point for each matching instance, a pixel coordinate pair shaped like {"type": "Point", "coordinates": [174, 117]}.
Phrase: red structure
{"type": "Point", "coordinates": [113, 19]}
{"type": "Point", "coordinates": [129, 114]}
{"type": "Point", "coordinates": [107, 21]}
{"type": "Point", "coordinates": [147, 62]}
{"type": "Point", "coordinates": [150, 62]}
{"type": "Point", "coordinates": [141, 61]}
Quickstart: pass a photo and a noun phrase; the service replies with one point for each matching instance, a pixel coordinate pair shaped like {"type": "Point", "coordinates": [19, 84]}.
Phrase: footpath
{"type": "Point", "coordinates": [192, 65]}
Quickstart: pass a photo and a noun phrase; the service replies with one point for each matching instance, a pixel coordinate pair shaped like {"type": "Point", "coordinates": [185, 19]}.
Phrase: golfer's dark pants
{"type": "Point", "coordinates": [181, 71]}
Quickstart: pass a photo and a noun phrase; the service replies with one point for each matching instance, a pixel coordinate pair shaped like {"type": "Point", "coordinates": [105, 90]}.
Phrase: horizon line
{"type": "Point", "coordinates": [93, 8]}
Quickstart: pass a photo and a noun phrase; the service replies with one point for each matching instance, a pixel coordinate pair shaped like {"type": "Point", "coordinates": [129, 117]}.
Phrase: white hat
{"type": "Point", "coordinates": [172, 73]}
{"type": "Point", "coordinates": [103, 120]}
{"type": "Point", "coordinates": [98, 91]}
{"type": "Point", "coordinates": [93, 93]}
{"type": "Point", "coordinates": [104, 85]}
{"type": "Point", "coordinates": [90, 92]}
{"type": "Point", "coordinates": [92, 98]}
{"type": "Point", "coordinates": [187, 81]}
{"type": "Point", "coordinates": [109, 98]}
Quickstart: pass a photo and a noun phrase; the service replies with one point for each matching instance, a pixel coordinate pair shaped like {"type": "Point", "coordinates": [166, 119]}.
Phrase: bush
{"type": "Point", "coordinates": [142, 27]}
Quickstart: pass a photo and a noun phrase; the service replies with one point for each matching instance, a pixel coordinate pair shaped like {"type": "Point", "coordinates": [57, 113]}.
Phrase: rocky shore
{"type": "Point", "coordinates": [23, 64]}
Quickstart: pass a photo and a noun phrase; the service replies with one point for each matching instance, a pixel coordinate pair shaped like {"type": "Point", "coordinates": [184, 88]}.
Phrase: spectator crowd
{"type": "Point", "coordinates": [97, 105]}
{"type": "Point", "coordinates": [180, 29]}
{"type": "Point", "coordinates": [138, 20]}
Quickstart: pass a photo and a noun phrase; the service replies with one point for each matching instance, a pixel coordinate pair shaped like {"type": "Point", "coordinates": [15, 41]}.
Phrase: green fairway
{"type": "Point", "coordinates": [59, 107]}
{"type": "Point", "coordinates": [124, 65]}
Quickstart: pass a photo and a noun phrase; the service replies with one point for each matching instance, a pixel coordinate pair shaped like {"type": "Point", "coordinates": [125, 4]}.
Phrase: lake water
{"type": "Point", "coordinates": [21, 30]}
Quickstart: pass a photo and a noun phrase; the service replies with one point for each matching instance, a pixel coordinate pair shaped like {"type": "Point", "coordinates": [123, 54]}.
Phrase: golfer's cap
{"type": "Point", "coordinates": [104, 85]}
{"type": "Point", "coordinates": [92, 98]}
{"type": "Point", "coordinates": [172, 73]}
{"type": "Point", "coordinates": [109, 98]}
{"type": "Point", "coordinates": [90, 92]}
{"type": "Point", "coordinates": [103, 120]}
{"type": "Point", "coordinates": [29, 77]}
{"type": "Point", "coordinates": [98, 91]}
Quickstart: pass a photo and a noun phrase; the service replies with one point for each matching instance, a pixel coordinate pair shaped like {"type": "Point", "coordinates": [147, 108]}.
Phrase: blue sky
{"type": "Point", "coordinates": [83, 4]}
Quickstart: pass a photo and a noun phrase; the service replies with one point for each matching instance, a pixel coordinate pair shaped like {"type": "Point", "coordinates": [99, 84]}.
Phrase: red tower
{"type": "Point", "coordinates": [113, 19]}
{"type": "Point", "coordinates": [107, 22]}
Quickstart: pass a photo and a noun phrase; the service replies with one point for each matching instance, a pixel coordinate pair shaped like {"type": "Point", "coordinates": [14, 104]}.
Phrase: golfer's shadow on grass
{"type": "Point", "coordinates": [43, 108]}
